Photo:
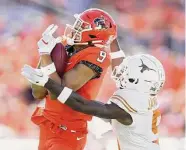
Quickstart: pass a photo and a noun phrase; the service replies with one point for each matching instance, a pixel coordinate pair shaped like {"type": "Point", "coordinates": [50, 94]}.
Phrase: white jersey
{"type": "Point", "coordinates": [142, 134]}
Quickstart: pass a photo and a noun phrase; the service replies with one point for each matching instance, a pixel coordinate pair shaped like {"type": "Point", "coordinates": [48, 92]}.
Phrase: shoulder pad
{"type": "Point", "coordinates": [132, 101]}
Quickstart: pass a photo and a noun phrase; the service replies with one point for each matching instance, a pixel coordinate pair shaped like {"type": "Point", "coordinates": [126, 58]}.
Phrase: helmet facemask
{"type": "Point", "coordinates": [73, 34]}
{"type": "Point", "coordinates": [120, 75]}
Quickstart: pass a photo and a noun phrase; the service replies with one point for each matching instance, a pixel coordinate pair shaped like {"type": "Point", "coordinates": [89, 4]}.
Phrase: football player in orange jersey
{"type": "Point", "coordinates": [62, 128]}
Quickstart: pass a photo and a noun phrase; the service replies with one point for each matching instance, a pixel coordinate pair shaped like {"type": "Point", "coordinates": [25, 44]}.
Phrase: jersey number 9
{"type": "Point", "coordinates": [102, 56]}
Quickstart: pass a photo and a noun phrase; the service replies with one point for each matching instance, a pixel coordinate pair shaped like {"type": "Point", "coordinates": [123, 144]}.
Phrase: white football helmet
{"type": "Point", "coordinates": [142, 72]}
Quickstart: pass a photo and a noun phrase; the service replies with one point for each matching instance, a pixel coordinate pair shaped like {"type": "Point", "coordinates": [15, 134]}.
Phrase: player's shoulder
{"type": "Point", "coordinates": [96, 56]}
{"type": "Point", "coordinates": [131, 101]}
{"type": "Point", "coordinates": [93, 50]}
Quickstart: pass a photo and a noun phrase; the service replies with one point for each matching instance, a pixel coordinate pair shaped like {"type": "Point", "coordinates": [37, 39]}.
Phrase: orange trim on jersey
{"type": "Point", "coordinates": [118, 145]}
{"type": "Point", "coordinates": [156, 114]}
{"type": "Point", "coordinates": [124, 102]}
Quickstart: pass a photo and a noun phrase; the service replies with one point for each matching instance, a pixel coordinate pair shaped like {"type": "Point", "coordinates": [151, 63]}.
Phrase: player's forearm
{"type": "Point", "coordinates": [45, 61]}
{"type": "Point", "coordinates": [115, 48]}
{"type": "Point", "coordinates": [78, 103]}
{"type": "Point", "coordinates": [90, 107]}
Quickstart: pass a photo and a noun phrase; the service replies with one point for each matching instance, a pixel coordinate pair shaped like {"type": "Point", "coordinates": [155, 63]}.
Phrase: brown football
{"type": "Point", "coordinates": [60, 58]}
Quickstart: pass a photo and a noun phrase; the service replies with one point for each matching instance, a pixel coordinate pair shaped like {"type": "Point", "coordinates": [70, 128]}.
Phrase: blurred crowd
{"type": "Point", "coordinates": [145, 26]}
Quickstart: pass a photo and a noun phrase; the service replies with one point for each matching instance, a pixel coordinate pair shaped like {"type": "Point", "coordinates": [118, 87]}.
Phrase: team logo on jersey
{"type": "Point", "coordinates": [100, 22]}
{"type": "Point", "coordinates": [145, 67]}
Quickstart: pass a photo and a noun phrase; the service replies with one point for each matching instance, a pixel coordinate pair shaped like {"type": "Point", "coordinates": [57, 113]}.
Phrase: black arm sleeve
{"type": "Point", "coordinates": [90, 107]}
{"type": "Point", "coordinates": [98, 70]}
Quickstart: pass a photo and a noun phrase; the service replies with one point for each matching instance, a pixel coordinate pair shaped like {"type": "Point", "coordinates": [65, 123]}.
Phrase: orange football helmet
{"type": "Point", "coordinates": [91, 26]}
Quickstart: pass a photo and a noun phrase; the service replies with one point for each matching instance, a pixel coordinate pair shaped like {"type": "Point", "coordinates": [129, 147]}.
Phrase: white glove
{"type": "Point", "coordinates": [48, 42]}
{"type": "Point", "coordinates": [35, 76]}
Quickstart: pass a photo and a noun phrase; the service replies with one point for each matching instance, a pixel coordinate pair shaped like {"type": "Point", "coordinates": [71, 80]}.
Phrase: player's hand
{"type": "Point", "coordinates": [35, 76]}
{"type": "Point", "coordinates": [48, 42]}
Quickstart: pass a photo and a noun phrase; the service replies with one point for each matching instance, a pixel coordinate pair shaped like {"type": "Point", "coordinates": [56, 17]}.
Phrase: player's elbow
{"type": "Point", "coordinates": [128, 120]}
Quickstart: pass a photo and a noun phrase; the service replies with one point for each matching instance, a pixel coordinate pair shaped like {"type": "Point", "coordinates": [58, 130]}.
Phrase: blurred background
{"type": "Point", "coordinates": [144, 26]}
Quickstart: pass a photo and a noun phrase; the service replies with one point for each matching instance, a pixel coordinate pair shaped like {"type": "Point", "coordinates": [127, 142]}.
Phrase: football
{"type": "Point", "coordinates": [60, 58]}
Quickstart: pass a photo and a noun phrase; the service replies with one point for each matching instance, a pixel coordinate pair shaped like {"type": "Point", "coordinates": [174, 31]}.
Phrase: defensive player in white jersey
{"type": "Point", "coordinates": [139, 78]}
{"type": "Point", "coordinates": [133, 108]}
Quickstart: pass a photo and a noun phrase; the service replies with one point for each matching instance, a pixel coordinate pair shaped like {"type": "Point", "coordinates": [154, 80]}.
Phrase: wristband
{"type": "Point", "coordinates": [117, 54]}
{"type": "Point", "coordinates": [48, 70]}
{"type": "Point", "coordinates": [64, 95]}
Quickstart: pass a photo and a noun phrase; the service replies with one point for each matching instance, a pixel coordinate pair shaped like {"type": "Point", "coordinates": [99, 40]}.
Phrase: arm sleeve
{"type": "Point", "coordinates": [95, 108]}
{"type": "Point", "coordinates": [98, 60]}
{"type": "Point", "coordinates": [80, 104]}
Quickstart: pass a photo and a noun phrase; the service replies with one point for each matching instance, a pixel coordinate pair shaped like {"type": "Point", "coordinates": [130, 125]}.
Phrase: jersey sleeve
{"type": "Point", "coordinates": [96, 59]}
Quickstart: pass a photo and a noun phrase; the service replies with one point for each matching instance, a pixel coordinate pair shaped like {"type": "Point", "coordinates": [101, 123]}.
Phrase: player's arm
{"type": "Point", "coordinates": [78, 76]}
{"type": "Point", "coordinates": [89, 66]}
{"type": "Point", "coordinates": [38, 92]}
{"type": "Point", "coordinates": [117, 55]}
{"type": "Point", "coordinates": [80, 104]}
{"type": "Point", "coordinates": [46, 60]}
{"type": "Point", "coordinates": [75, 78]}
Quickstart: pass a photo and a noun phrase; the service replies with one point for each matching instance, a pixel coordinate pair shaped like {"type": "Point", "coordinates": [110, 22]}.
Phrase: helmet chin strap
{"type": "Point", "coordinates": [96, 43]}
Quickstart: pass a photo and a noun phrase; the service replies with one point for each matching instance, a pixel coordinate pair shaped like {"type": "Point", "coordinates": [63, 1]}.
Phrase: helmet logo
{"type": "Point", "coordinates": [155, 87]}
{"type": "Point", "coordinates": [145, 67]}
{"type": "Point", "coordinates": [100, 22]}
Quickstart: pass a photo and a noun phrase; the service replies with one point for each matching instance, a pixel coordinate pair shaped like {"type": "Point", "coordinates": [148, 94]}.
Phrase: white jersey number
{"type": "Point", "coordinates": [102, 56]}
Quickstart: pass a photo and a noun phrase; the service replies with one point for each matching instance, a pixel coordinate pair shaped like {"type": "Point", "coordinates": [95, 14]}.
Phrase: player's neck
{"type": "Point", "coordinates": [78, 48]}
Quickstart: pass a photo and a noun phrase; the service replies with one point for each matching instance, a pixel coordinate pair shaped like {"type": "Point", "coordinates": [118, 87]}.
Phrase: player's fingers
{"type": "Point", "coordinates": [29, 77]}
{"type": "Point", "coordinates": [31, 71]}
{"type": "Point", "coordinates": [58, 39]}
{"type": "Point", "coordinates": [28, 69]}
{"type": "Point", "coordinates": [48, 29]}
{"type": "Point", "coordinates": [26, 75]}
{"type": "Point", "coordinates": [45, 39]}
{"type": "Point", "coordinates": [27, 66]}
{"type": "Point", "coordinates": [25, 69]}
{"type": "Point", "coordinates": [53, 29]}
{"type": "Point", "coordinates": [28, 72]}
{"type": "Point", "coordinates": [38, 72]}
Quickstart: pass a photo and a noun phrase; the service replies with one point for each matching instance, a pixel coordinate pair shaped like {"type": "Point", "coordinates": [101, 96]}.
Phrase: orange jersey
{"type": "Point", "coordinates": [60, 113]}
